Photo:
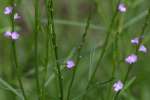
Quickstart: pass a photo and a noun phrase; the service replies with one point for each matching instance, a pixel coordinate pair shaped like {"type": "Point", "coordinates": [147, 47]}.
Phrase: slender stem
{"type": "Point", "coordinates": [54, 46]}
{"type": "Point", "coordinates": [143, 29]}
{"type": "Point", "coordinates": [17, 68]}
{"type": "Point", "coordinates": [46, 54]}
{"type": "Point", "coordinates": [47, 37]}
{"type": "Point", "coordinates": [116, 61]}
{"type": "Point", "coordinates": [96, 85]}
{"type": "Point", "coordinates": [18, 71]}
{"type": "Point", "coordinates": [146, 23]}
{"type": "Point", "coordinates": [124, 81]}
{"type": "Point", "coordinates": [103, 50]}
{"type": "Point", "coordinates": [36, 30]}
{"type": "Point", "coordinates": [79, 54]}
{"type": "Point", "coordinates": [115, 46]}
{"type": "Point", "coordinates": [48, 8]}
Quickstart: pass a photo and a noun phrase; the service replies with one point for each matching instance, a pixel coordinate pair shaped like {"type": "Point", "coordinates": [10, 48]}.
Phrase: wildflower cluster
{"type": "Point", "coordinates": [141, 48]}
{"type": "Point", "coordinates": [132, 58]}
{"type": "Point", "coordinates": [12, 35]}
{"type": "Point", "coordinates": [9, 11]}
{"type": "Point", "coordinates": [136, 42]}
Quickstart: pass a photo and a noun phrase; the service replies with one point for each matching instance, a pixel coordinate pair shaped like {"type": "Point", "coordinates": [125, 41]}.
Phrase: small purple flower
{"type": "Point", "coordinates": [15, 35]}
{"type": "Point", "coordinates": [131, 59]}
{"type": "Point", "coordinates": [8, 10]}
{"type": "Point", "coordinates": [7, 34]}
{"type": "Point", "coordinates": [70, 64]}
{"type": "Point", "coordinates": [16, 16]}
{"type": "Point", "coordinates": [122, 8]}
{"type": "Point", "coordinates": [118, 86]}
{"type": "Point", "coordinates": [135, 41]}
{"type": "Point", "coordinates": [142, 48]}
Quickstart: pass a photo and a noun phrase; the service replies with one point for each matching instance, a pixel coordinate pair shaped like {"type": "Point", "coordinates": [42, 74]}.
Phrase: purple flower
{"type": "Point", "coordinates": [142, 48]}
{"type": "Point", "coordinates": [122, 8]}
{"type": "Point", "coordinates": [131, 59]}
{"type": "Point", "coordinates": [135, 41]}
{"type": "Point", "coordinates": [8, 10]}
{"type": "Point", "coordinates": [15, 35]}
{"type": "Point", "coordinates": [7, 34]}
{"type": "Point", "coordinates": [12, 35]}
{"type": "Point", "coordinates": [70, 64]}
{"type": "Point", "coordinates": [16, 16]}
{"type": "Point", "coordinates": [118, 86]}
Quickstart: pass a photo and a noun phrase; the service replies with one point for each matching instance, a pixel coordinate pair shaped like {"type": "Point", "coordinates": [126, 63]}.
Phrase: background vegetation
{"type": "Point", "coordinates": [70, 19]}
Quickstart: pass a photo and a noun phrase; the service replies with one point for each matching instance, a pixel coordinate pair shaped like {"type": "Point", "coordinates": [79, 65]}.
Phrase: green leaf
{"type": "Point", "coordinates": [10, 88]}
{"type": "Point", "coordinates": [92, 55]}
{"type": "Point", "coordinates": [128, 84]}
{"type": "Point", "coordinates": [136, 19]}
{"type": "Point", "coordinates": [76, 24]}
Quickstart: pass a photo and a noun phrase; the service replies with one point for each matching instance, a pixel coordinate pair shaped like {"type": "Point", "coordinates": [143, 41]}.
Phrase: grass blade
{"type": "Point", "coordinates": [10, 88]}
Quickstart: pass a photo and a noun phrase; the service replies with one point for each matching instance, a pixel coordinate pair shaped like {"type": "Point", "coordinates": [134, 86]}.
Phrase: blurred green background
{"type": "Point", "coordinates": [70, 19]}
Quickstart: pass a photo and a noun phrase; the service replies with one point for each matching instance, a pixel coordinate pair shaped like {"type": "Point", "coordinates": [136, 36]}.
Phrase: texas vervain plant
{"type": "Point", "coordinates": [14, 36]}
{"type": "Point", "coordinates": [134, 57]}
{"type": "Point", "coordinates": [104, 47]}
{"type": "Point", "coordinates": [55, 55]}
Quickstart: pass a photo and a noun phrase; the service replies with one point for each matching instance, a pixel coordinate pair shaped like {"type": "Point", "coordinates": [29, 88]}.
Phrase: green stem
{"type": "Point", "coordinates": [17, 68]}
{"type": "Point", "coordinates": [79, 54]}
{"type": "Point", "coordinates": [103, 50]}
{"type": "Point", "coordinates": [116, 60]}
{"type": "Point", "coordinates": [49, 35]}
{"type": "Point", "coordinates": [96, 85]}
{"type": "Point", "coordinates": [18, 71]}
{"type": "Point", "coordinates": [54, 46]}
{"type": "Point", "coordinates": [36, 30]}
{"type": "Point", "coordinates": [46, 52]}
